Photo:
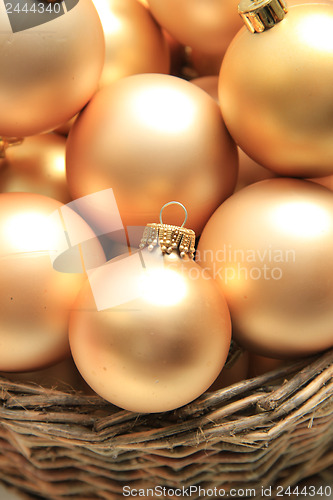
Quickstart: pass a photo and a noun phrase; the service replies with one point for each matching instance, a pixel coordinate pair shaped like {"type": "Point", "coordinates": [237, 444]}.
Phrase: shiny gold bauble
{"type": "Point", "coordinates": [36, 166]}
{"type": "Point", "coordinates": [160, 350]}
{"type": "Point", "coordinates": [269, 247]}
{"type": "Point", "coordinates": [205, 26]}
{"type": "Point", "coordinates": [134, 43]}
{"type": "Point", "coordinates": [276, 92]}
{"type": "Point", "coordinates": [49, 71]}
{"type": "Point", "coordinates": [153, 138]}
{"type": "Point", "coordinates": [35, 299]}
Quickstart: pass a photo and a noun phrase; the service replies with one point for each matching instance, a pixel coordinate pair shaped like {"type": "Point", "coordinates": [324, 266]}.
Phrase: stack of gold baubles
{"type": "Point", "coordinates": [270, 245]}
{"type": "Point", "coordinates": [47, 75]}
{"type": "Point", "coordinates": [166, 340]}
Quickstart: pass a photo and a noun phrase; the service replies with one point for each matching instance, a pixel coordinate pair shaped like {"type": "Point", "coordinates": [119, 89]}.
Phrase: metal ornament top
{"type": "Point", "coordinates": [261, 15]}
{"type": "Point", "coordinates": [170, 238]}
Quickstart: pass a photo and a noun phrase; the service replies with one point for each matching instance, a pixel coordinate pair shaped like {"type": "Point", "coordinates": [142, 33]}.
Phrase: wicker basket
{"type": "Point", "coordinates": [275, 429]}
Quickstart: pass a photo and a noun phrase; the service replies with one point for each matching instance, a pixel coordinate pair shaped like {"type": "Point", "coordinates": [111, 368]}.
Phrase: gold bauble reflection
{"type": "Point", "coordinates": [50, 71]}
{"type": "Point", "coordinates": [35, 299]}
{"type": "Point", "coordinates": [269, 246]}
{"type": "Point", "coordinates": [276, 92]}
{"type": "Point", "coordinates": [134, 43]}
{"type": "Point", "coordinates": [206, 26]}
{"type": "Point", "coordinates": [36, 166]}
{"type": "Point", "coordinates": [158, 351]}
{"type": "Point", "coordinates": [153, 138]}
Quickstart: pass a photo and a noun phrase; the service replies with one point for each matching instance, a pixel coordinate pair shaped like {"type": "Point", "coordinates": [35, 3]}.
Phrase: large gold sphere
{"type": "Point", "coordinates": [269, 247]}
{"type": "Point", "coordinates": [35, 299]}
{"type": "Point", "coordinates": [48, 71]}
{"type": "Point", "coordinates": [152, 139]}
{"type": "Point", "coordinates": [157, 351]}
{"type": "Point", "coordinates": [276, 92]}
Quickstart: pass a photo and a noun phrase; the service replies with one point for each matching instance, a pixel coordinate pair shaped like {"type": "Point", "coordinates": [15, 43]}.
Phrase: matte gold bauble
{"type": "Point", "coordinates": [269, 247]}
{"type": "Point", "coordinates": [160, 350]}
{"type": "Point", "coordinates": [205, 26]}
{"type": "Point", "coordinates": [153, 138]}
{"type": "Point", "coordinates": [35, 299]}
{"type": "Point", "coordinates": [36, 166]}
{"type": "Point", "coordinates": [276, 92]}
{"type": "Point", "coordinates": [49, 71]}
{"type": "Point", "coordinates": [134, 43]}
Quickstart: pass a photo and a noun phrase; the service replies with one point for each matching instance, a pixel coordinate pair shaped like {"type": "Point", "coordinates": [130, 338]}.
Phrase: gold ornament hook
{"type": "Point", "coordinates": [174, 203]}
{"type": "Point", "coordinates": [169, 237]}
{"type": "Point", "coordinates": [261, 15]}
{"type": "Point", "coordinates": [7, 142]}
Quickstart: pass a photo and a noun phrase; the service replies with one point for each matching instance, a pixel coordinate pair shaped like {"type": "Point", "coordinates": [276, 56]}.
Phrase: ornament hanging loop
{"type": "Point", "coordinates": [174, 203]}
{"type": "Point", "coordinates": [170, 238]}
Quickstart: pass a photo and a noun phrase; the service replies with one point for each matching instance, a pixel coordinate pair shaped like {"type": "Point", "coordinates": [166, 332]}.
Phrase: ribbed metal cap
{"type": "Point", "coordinates": [261, 15]}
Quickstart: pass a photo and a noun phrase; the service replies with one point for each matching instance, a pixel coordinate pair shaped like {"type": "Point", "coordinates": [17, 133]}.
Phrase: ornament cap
{"type": "Point", "coordinates": [261, 15]}
{"type": "Point", "coordinates": [170, 238]}
{"type": "Point", "coordinates": [6, 142]}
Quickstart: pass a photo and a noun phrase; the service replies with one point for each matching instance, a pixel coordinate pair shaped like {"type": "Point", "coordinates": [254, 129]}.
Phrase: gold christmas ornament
{"type": "Point", "coordinates": [275, 87]}
{"type": "Point", "coordinates": [156, 350]}
{"type": "Point", "coordinates": [269, 247]}
{"type": "Point", "coordinates": [152, 138]}
{"type": "Point", "coordinates": [36, 166]}
{"type": "Point", "coordinates": [50, 65]}
{"type": "Point", "coordinates": [35, 299]}
{"type": "Point", "coordinates": [206, 26]}
{"type": "Point", "coordinates": [134, 43]}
